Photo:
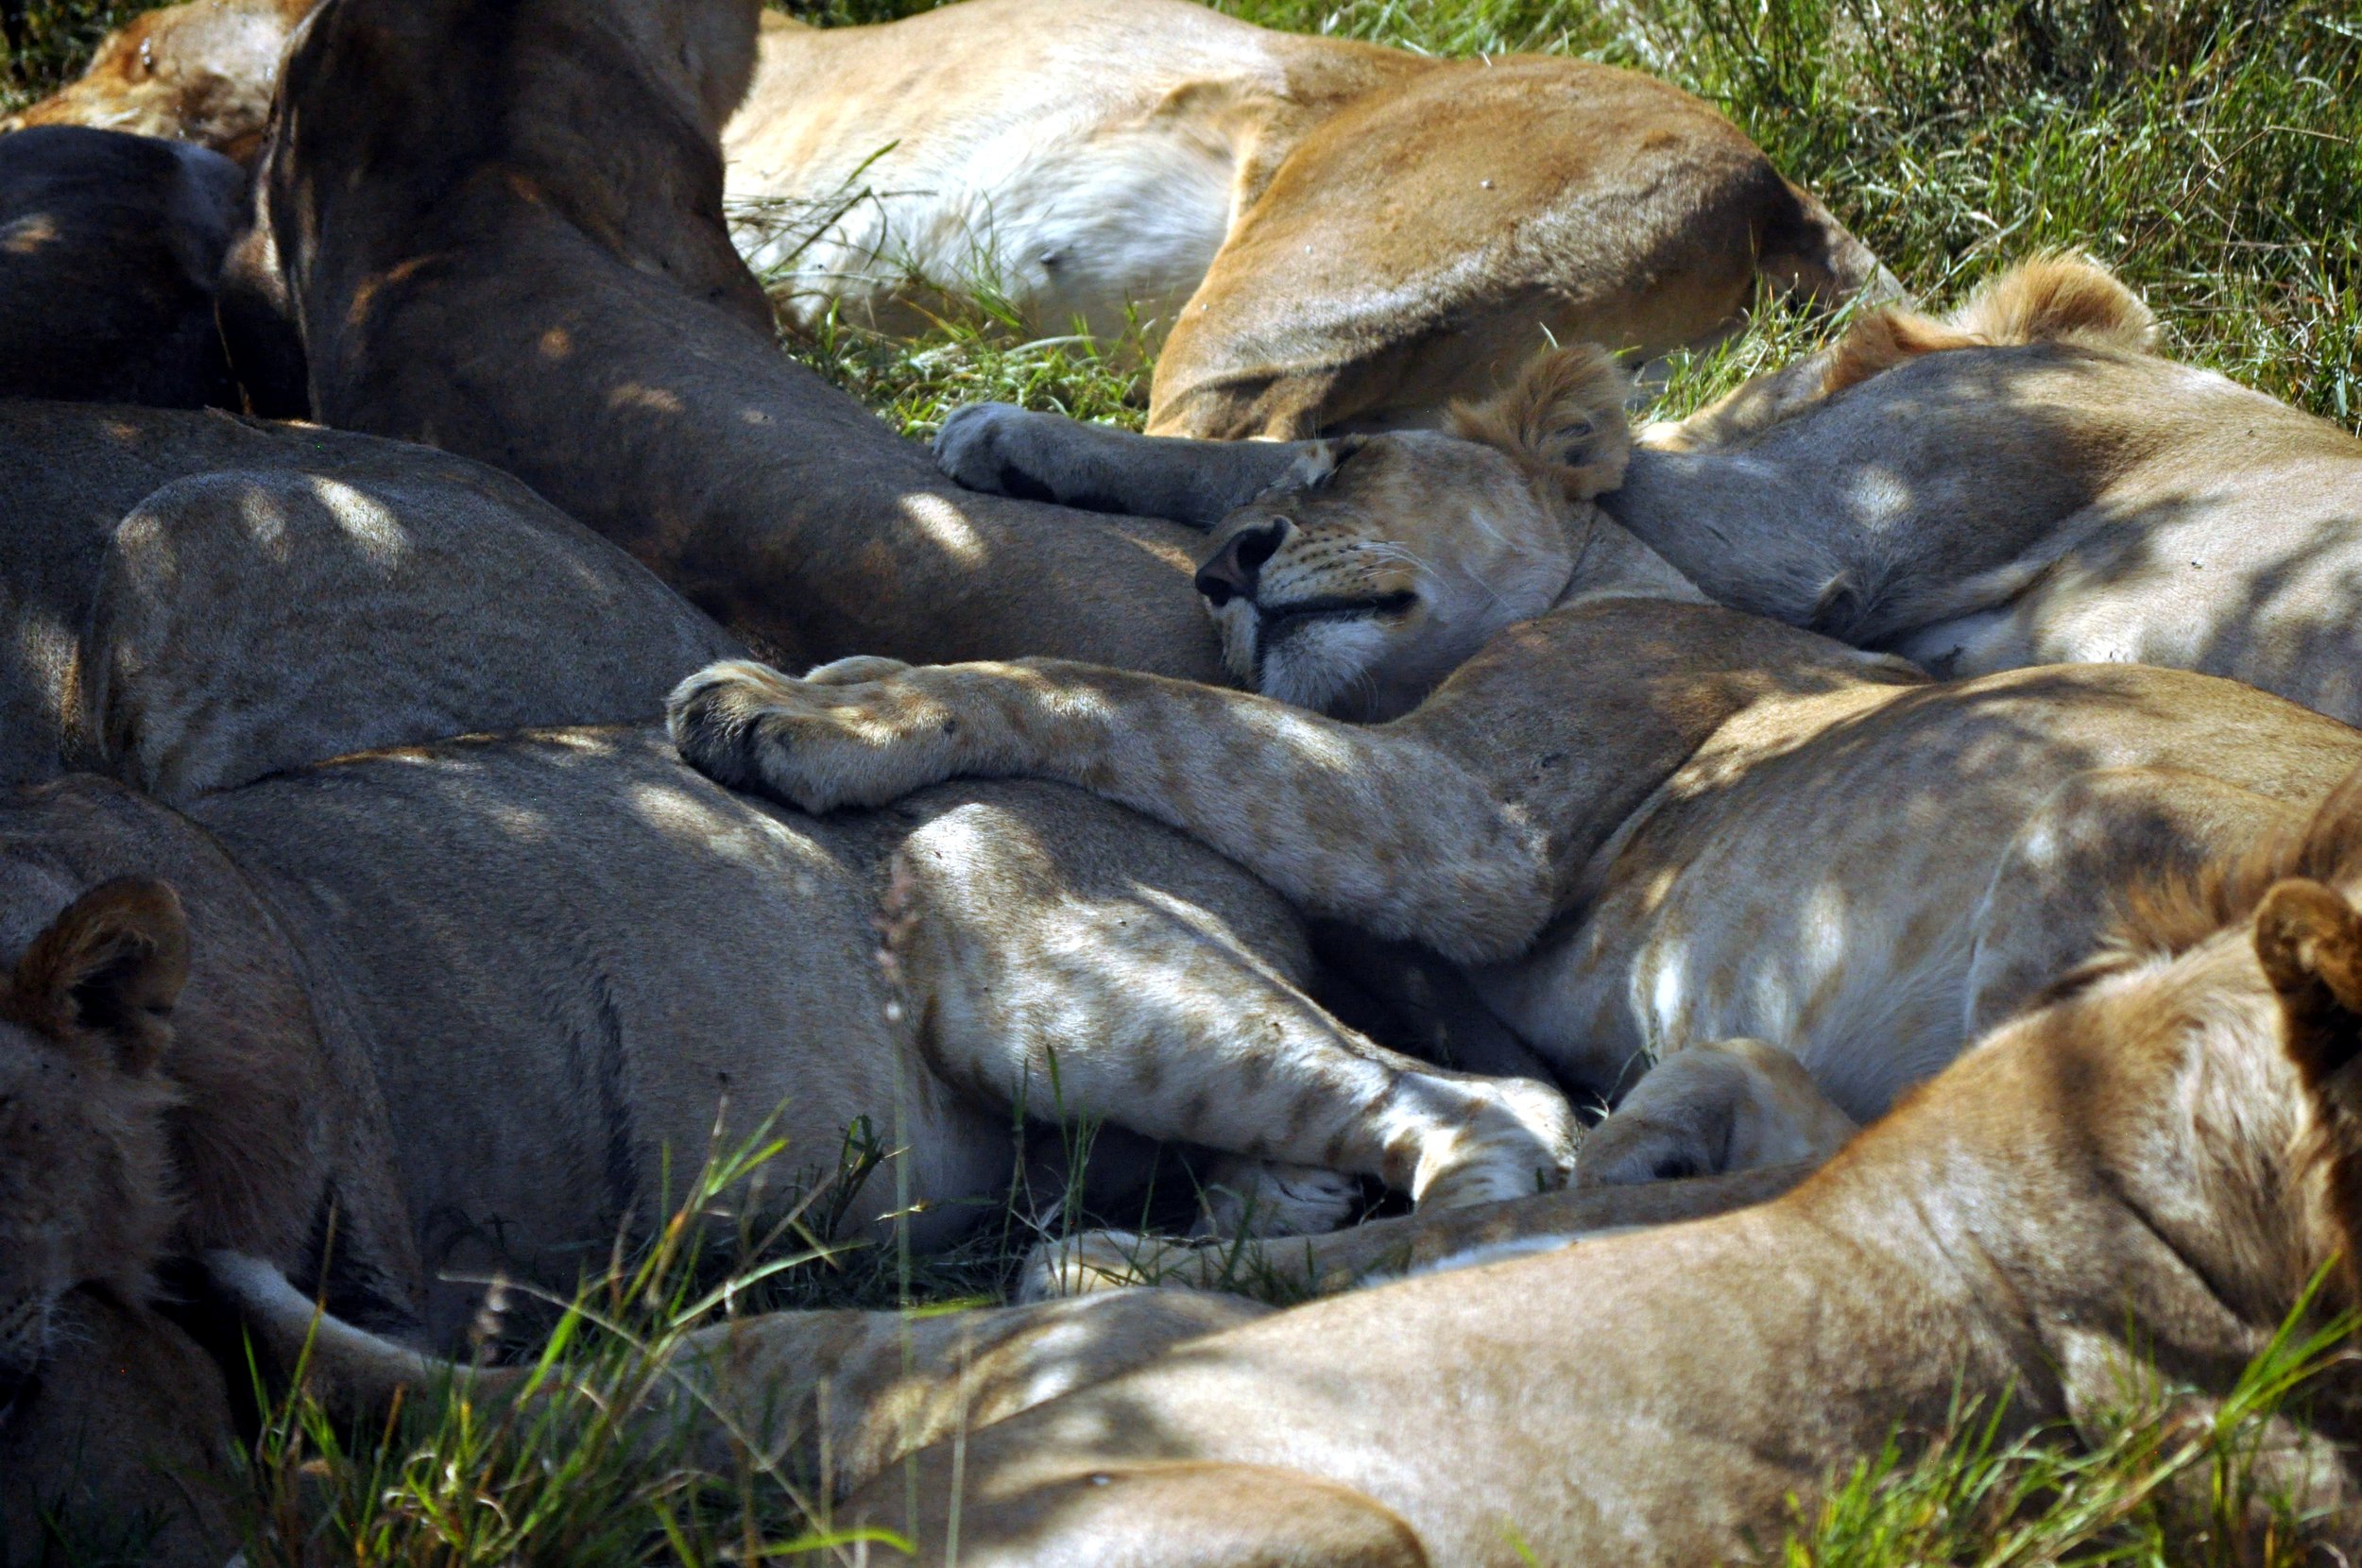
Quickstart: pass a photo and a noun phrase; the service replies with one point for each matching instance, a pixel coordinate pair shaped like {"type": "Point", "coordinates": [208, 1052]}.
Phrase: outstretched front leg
{"type": "Point", "coordinates": [1381, 826]}
{"type": "Point", "coordinates": [1003, 450]}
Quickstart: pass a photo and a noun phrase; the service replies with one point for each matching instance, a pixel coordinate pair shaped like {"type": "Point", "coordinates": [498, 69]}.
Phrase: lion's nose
{"type": "Point", "coordinates": [1232, 571]}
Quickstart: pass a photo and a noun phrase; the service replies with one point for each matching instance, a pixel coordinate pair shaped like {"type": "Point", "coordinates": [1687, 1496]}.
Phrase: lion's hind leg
{"type": "Point", "coordinates": [1083, 963]}
{"type": "Point", "coordinates": [1713, 1107]}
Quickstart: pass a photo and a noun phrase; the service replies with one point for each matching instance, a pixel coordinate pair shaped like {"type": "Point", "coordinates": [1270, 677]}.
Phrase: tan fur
{"type": "Point", "coordinates": [2059, 299]}
{"type": "Point", "coordinates": [520, 294]}
{"type": "Point", "coordinates": [1721, 1105]}
{"type": "Point", "coordinates": [2049, 299]}
{"type": "Point", "coordinates": [2107, 1209]}
{"type": "Point", "coordinates": [1236, 187]}
{"type": "Point", "coordinates": [829, 1398]}
{"type": "Point", "coordinates": [2122, 1178]}
{"type": "Point", "coordinates": [198, 72]}
{"type": "Point", "coordinates": [201, 601]}
{"type": "Point", "coordinates": [1563, 414]}
{"type": "Point", "coordinates": [1151, 158]}
{"type": "Point", "coordinates": [1233, 185]}
{"type": "Point", "coordinates": [837, 1397]}
{"type": "Point", "coordinates": [1036, 937]}
{"type": "Point", "coordinates": [1648, 821]}
{"type": "Point", "coordinates": [2069, 499]}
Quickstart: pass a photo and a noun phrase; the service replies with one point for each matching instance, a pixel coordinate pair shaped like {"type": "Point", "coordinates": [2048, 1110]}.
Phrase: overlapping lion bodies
{"type": "Point", "coordinates": [1632, 811]}
{"type": "Point", "coordinates": [1156, 160]}
{"type": "Point", "coordinates": [202, 600]}
{"type": "Point", "coordinates": [1245, 188]}
{"type": "Point", "coordinates": [513, 292]}
{"type": "Point", "coordinates": [2111, 1208]}
{"type": "Point", "coordinates": [2025, 481]}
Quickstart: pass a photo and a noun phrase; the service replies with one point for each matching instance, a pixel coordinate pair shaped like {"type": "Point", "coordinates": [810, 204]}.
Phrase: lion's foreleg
{"type": "Point", "coordinates": [1088, 967]}
{"type": "Point", "coordinates": [1003, 450]}
{"type": "Point", "coordinates": [1373, 825]}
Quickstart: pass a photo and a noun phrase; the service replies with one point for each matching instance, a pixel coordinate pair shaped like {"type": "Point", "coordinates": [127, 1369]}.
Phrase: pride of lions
{"type": "Point", "coordinates": [1917, 794]}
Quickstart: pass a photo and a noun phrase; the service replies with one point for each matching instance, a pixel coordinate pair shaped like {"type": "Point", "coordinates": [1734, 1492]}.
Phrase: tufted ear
{"type": "Point", "coordinates": [1564, 413]}
{"type": "Point", "coordinates": [2309, 940]}
{"type": "Point", "coordinates": [112, 965]}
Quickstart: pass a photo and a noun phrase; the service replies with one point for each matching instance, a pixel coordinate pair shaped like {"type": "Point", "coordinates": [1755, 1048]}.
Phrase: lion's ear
{"type": "Point", "coordinates": [1565, 413]}
{"type": "Point", "coordinates": [112, 965]}
{"type": "Point", "coordinates": [2309, 940]}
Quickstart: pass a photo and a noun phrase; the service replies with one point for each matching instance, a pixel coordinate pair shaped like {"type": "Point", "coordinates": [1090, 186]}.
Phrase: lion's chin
{"type": "Point", "coordinates": [1326, 667]}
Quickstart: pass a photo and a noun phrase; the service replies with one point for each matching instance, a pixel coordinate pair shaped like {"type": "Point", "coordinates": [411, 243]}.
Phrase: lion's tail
{"type": "Point", "coordinates": [349, 1370]}
{"type": "Point", "coordinates": [2058, 298]}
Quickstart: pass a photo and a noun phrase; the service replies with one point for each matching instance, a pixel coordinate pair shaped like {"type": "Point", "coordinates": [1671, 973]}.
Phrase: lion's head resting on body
{"type": "Point", "coordinates": [200, 72]}
{"type": "Point", "coordinates": [86, 1191]}
{"type": "Point", "coordinates": [2048, 299]}
{"type": "Point", "coordinates": [2217, 986]}
{"type": "Point", "coordinates": [1381, 563]}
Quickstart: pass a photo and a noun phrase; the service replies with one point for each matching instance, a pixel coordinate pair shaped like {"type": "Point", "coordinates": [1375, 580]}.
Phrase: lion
{"type": "Point", "coordinates": [1241, 187]}
{"type": "Point", "coordinates": [110, 246]}
{"type": "Point", "coordinates": [517, 294]}
{"type": "Point", "coordinates": [1152, 161]}
{"type": "Point", "coordinates": [200, 599]}
{"type": "Point", "coordinates": [833, 1398]}
{"type": "Point", "coordinates": [275, 595]}
{"type": "Point", "coordinates": [123, 1450]}
{"type": "Point", "coordinates": [200, 72]}
{"type": "Point", "coordinates": [2025, 481]}
{"type": "Point", "coordinates": [2111, 1206]}
{"type": "Point", "coordinates": [1639, 819]}
{"type": "Point", "coordinates": [240, 1024]}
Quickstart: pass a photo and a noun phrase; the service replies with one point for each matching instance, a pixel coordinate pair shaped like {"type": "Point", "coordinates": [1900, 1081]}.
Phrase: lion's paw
{"type": "Point", "coordinates": [985, 446]}
{"type": "Point", "coordinates": [815, 745]}
{"type": "Point", "coordinates": [1519, 1139]}
{"type": "Point", "coordinates": [1093, 1261]}
{"type": "Point", "coordinates": [1260, 1198]}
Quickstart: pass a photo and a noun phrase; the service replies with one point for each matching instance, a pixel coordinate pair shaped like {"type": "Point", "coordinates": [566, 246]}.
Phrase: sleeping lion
{"type": "Point", "coordinates": [1240, 189]}
{"type": "Point", "coordinates": [1639, 819]}
{"type": "Point", "coordinates": [2024, 482]}
{"type": "Point", "coordinates": [1231, 187]}
{"type": "Point", "coordinates": [2110, 1206]}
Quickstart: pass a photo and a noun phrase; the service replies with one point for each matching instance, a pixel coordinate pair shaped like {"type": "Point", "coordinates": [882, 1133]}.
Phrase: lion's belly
{"type": "Point", "coordinates": [1062, 221]}
{"type": "Point", "coordinates": [1826, 894]}
{"type": "Point", "coordinates": [2255, 583]}
{"type": "Point", "coordinates": [576, 969]}
{"type": "Point", "coordinates": [1871, 1002]}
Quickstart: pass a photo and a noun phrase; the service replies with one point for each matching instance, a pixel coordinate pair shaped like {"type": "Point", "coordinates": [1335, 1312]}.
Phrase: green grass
{"type": "Point", "coordinates": [2209, 150]}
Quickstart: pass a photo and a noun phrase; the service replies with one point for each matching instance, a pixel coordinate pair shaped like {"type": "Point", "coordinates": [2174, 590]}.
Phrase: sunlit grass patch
{"type": "Point", "coordinates": [2166, 1476]}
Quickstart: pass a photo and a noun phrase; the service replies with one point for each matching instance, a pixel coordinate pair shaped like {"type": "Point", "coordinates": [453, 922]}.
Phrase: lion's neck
{"type": "Point", "coordinates": [1715, 518]}
{"type": "Point", "coordinates": [1611, 562]}
{"type": "Point", "coordinates": [2112, 1227]}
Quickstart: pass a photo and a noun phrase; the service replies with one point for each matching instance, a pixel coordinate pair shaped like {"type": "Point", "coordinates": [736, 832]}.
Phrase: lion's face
{"type": "Point", "coordinates": [84, 1185]}
{"type": "Point", "coordinates": [1381, 563]}
{"type": "Point", "coordinates": [1379, 566]}
{"type": "Point", "coordinates": [200, 73]}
